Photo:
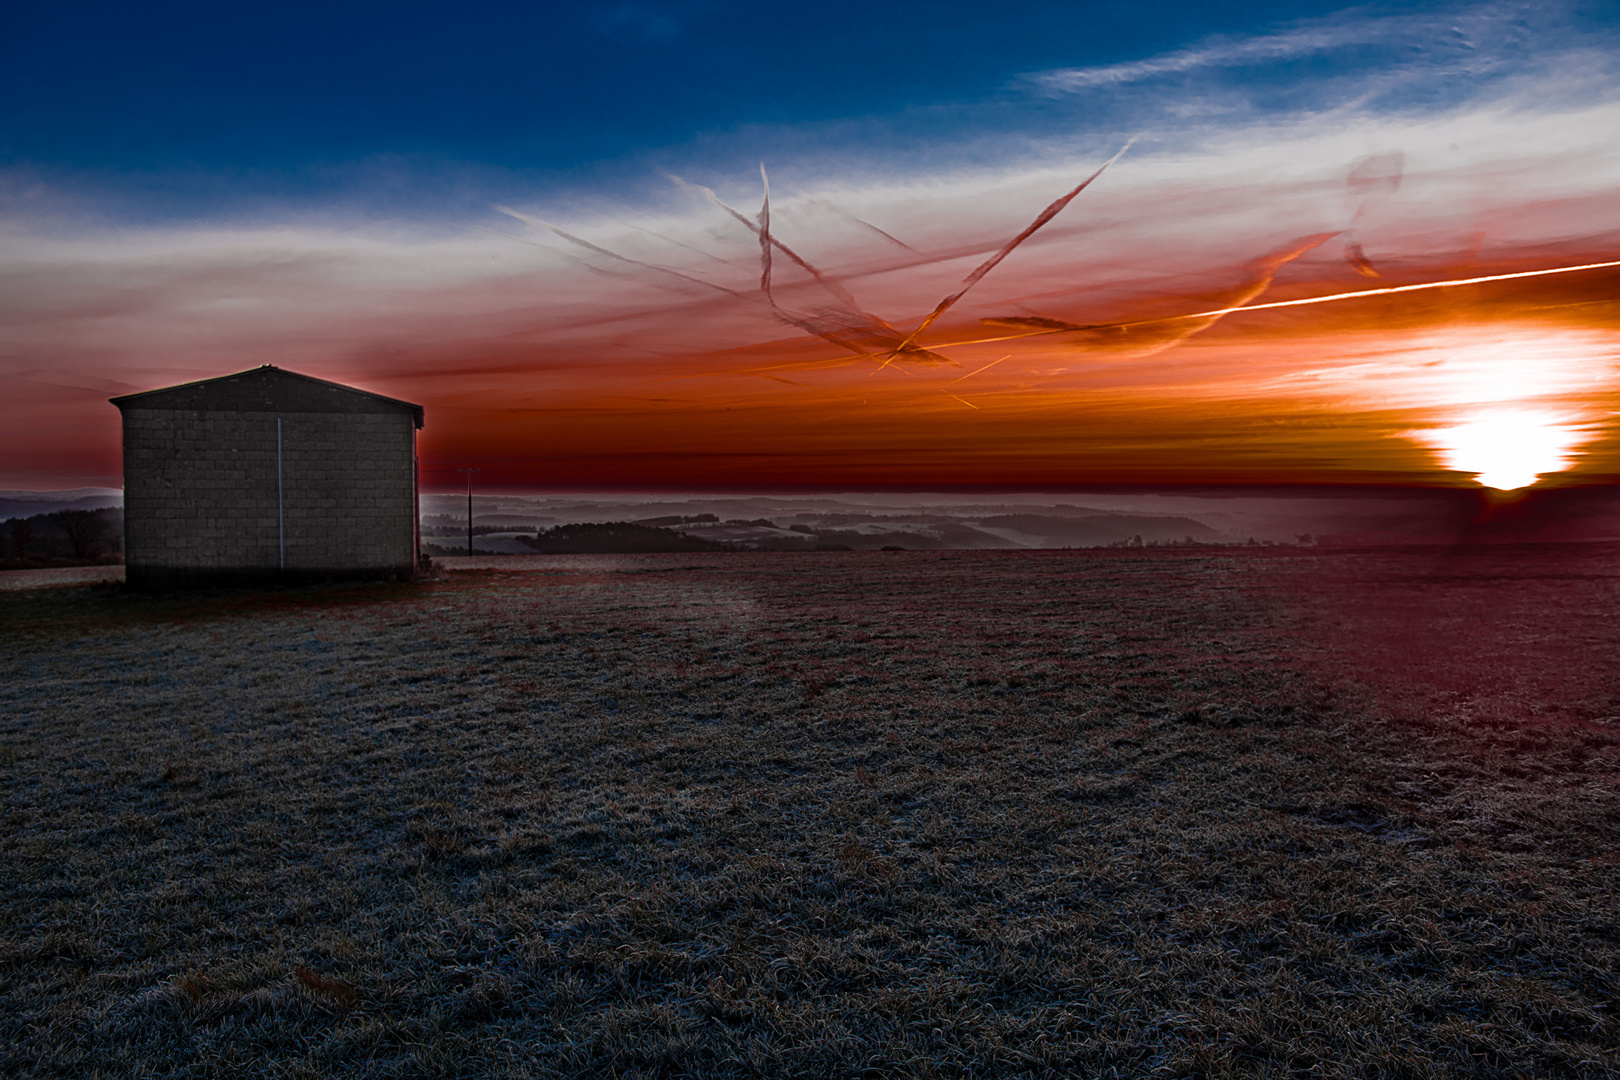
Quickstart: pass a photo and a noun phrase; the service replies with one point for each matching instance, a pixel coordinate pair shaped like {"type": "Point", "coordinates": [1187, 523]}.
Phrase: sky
{"type": "Point", "coordinates": [547, 223]}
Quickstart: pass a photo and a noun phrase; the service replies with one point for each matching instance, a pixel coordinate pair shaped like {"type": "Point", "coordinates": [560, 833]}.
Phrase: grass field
{"type": "Point", "coordinates": [1180, 813]}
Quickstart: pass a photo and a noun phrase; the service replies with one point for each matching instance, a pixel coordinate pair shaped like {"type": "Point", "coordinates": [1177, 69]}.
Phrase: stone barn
{"type": "Point", "coordinates": [268, 475]}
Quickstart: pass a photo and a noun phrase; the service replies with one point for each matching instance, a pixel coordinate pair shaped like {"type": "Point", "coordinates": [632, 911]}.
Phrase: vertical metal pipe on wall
{"type": "Point", "coordinates": [281, 502]}
{"type": "Point", "coordinates": [416, 506]}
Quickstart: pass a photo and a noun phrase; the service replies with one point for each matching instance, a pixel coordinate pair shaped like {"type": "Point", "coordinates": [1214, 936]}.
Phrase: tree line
{"type": "Point", "coordinates": [82, 536]}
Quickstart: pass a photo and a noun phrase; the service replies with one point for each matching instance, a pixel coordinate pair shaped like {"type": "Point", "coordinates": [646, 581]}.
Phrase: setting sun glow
{"type": "Point", "coordinates": [1507, 403]}
{"type": "Point", "coordinates": [1508, 450]}
{"type": "Point", "coordinates": [1503, 438]}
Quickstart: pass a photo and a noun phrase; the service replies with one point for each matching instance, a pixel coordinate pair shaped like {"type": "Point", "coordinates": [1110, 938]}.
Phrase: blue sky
{"type": "Point", "coordinates": [194, 109]}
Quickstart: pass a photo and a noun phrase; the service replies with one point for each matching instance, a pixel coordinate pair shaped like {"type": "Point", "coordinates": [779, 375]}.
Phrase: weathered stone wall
{"type": "Point", "coordinates": [200, 494]}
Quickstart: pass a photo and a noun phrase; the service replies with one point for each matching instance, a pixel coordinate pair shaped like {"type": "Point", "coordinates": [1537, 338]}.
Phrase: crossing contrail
{"type": "Point", "coordinates": [990, 264]}
{"type": "Point", "coordinates": [1045, 326]}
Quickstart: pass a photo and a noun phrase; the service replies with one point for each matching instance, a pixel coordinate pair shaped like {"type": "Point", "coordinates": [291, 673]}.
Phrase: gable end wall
{"type": "Point", "coordinates": [200, 493]}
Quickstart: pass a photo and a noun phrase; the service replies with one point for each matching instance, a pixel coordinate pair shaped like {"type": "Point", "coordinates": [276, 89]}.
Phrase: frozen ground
{"type": "Point", "coordinates": [1181, 812]}
{"type": "Point", "coordinates": [58, 576]}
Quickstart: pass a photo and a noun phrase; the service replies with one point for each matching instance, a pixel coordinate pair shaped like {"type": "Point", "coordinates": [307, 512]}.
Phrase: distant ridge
{"type": "Point", "coordinates": [16, 504]}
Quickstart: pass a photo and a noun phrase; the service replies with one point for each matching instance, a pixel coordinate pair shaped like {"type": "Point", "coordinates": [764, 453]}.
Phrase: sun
{"type": "Point", "coordinates": [1508, 405]}
{"type": "Point", "coordinates": [1508, 449]}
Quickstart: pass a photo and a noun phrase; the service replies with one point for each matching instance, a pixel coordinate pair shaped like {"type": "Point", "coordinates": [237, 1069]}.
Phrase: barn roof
{"type": "Point", "coordinates": [267, 389]}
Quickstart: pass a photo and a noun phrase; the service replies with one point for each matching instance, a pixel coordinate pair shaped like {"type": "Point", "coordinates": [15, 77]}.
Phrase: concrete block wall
{"type": "Point", "coordinates": [201, 498]}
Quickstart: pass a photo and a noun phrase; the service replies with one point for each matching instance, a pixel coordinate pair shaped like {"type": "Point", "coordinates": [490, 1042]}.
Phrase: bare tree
{"type": "Point", "coordinates": [22, 534]}
{"type": "Point", "coordinates": [85, 530]}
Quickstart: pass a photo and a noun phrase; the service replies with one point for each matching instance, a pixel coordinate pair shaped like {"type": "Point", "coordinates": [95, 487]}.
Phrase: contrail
{"type": "Point", "coordinates": [1068, 328]}
{"type": "Point", "coordinates": [847, 216]}
{"type": "Point", "coordinates": [831, 284]}
{"type": "Point", "coordinates": [970, 375]}
{"type": "Point", "coordinates": [767, 242]}
{"type": "Point", "coordinates": [1007, 249]}
{"type": "Point", "coordinates": [831, 332]}
{"type": "Point", "coordinates": [764, 232]}
{"type": "Point", "coordinates": [1266, 269]}
{"type": "Point", "coordinates": [588, 246]}
{"type": "Point", "coordinates": [975, 371]}
{"type": "Point", "coordinates": [847, 326]}
{"type": "Point", "coordinates": [672, 240]}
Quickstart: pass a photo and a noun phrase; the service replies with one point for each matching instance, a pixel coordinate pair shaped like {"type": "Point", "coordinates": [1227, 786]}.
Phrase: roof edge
{"type": "Point", "coordinates": [125, 400]}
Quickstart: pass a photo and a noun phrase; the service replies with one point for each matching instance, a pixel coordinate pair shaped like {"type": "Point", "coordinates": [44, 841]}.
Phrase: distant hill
{"type": "Point", "coordinates": [24, 504]}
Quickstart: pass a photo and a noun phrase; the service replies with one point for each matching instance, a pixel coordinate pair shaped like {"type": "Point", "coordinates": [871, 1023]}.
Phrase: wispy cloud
{"type": "Point", "coordinates": [1476, 39]}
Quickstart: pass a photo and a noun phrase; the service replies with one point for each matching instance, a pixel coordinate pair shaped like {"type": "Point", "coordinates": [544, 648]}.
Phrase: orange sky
{"type": "Point", "coordinates": [553, 366]}
{"type": "Point", "coordinates": [1301, 395]}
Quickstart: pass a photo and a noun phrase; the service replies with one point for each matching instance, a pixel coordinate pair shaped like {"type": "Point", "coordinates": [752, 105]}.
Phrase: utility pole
{"type": "Point", "coordinates": [469, 473]}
